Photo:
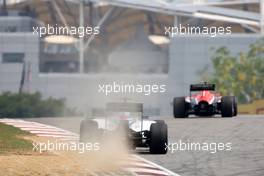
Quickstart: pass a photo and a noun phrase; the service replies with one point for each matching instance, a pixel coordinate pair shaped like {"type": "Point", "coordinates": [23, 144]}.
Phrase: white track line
{"type": "Point", "coordinates": [135, 164]}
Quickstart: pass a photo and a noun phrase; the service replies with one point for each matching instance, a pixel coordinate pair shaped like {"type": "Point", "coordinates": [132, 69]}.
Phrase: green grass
{"type": "Point", "coordinates": [11, 139]}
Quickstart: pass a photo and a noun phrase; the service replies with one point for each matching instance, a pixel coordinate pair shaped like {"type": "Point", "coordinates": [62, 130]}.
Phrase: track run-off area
{"type": "Point", "coordinates": [245, 134]}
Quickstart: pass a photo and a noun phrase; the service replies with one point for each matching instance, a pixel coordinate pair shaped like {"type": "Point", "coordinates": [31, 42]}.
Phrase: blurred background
{"type": "Point", "coordinates": [132, 48]}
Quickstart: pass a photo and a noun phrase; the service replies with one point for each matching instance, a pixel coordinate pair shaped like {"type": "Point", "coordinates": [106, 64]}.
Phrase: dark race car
{"type": "Point", "coordinates": [204, 101]}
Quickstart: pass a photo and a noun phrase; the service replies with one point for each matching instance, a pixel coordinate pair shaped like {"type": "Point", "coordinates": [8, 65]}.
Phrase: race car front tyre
{"type": "Point", "coordinates": [88, 131]}
{"type": "Point", "coordinates": [227, 106]}
{"type": "Point", "coordinates": [158, 138]}
{"type": "Point", "coordinates": [179, 107]}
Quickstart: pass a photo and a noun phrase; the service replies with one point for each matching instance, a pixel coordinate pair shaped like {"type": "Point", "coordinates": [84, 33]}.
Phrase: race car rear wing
{"type": "Point", "coordinates": [124, 107]}
{"type": "Point", "coordinates": [201, 87]}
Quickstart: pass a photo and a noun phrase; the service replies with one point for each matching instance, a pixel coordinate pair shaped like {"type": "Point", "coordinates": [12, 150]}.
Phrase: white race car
{"type": "Point", "coordinates": [139, 132]}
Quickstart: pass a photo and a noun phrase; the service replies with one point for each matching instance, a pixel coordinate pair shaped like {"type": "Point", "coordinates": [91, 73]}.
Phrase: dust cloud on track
{"type": "Point", "coordinates": [66, 160]}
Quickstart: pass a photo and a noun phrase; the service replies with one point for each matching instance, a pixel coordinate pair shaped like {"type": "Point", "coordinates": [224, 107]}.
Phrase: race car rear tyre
{"type": "Point", "coordinates": [158, 138]}
{"type": "Point", "coordinates": [227, 106]}
{"type": "Point", "coordinates": [235, 106]}
{"type": "Point", "coordinates": [88, 131]}
{"type": "Point", "coordinates": [179, 107]}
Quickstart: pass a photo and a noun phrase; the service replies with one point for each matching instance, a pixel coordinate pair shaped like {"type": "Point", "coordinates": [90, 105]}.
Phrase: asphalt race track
{"type": "Point", "coordinates": [245, 133]}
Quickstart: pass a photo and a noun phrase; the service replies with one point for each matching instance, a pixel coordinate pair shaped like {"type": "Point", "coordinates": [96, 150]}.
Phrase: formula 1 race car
{"type": "Point", "coordinates": [204, 102]}
{"type": "Point", "coordinates": [127, 118]}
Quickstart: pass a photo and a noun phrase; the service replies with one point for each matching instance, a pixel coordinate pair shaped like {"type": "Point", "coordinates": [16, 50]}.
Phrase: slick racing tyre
{"type": "Point", "coordinates": [235, 106]}
{"type": "Point", "coordinates": [227, 106]}
{"type": "Point", "coordinates": [179, 107]}
{"type": "Point", "coordinates": [88, 131]}
{"type": "Point", "coordinates": [158, 138]}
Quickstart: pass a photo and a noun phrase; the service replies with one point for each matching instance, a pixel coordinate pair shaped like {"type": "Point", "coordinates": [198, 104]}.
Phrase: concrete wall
{"type": "Point", "coordinates": [16, 24]}
{"type": "Point", "coordinates": [10, 73]}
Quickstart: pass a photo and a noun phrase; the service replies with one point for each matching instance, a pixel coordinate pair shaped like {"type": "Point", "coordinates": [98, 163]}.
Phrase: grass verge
{"type": "Point", "coordinates": [11, 140]}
